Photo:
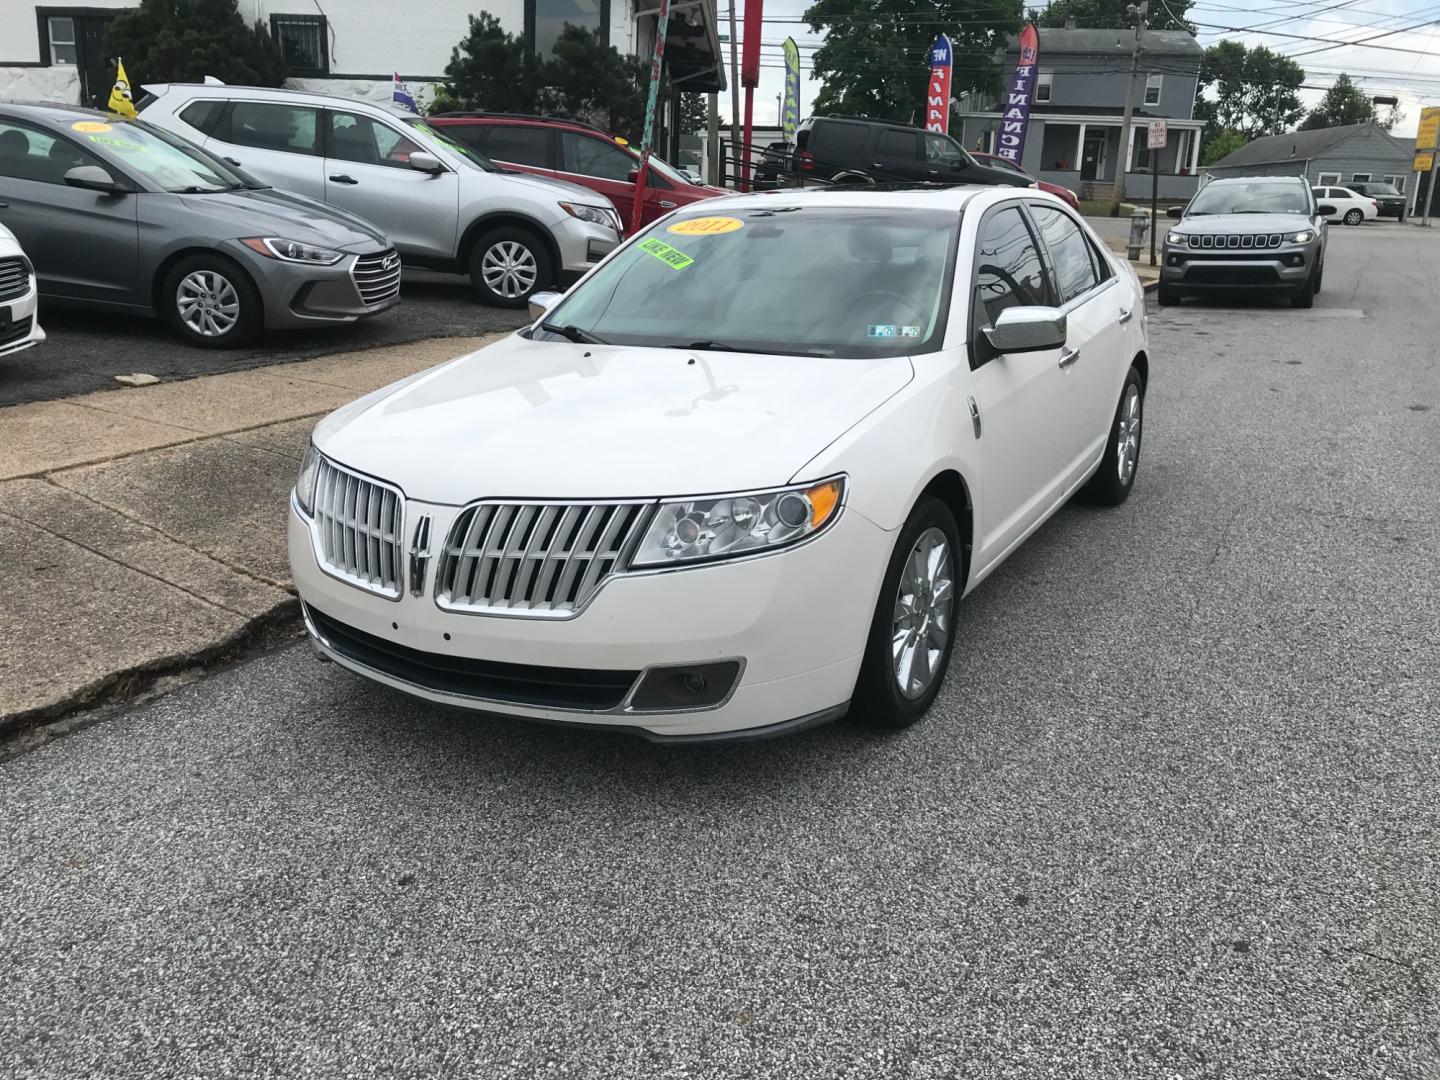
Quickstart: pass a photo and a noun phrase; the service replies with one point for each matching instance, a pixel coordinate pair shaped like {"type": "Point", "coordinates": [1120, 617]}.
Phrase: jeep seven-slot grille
{"type": "Point", "coordinates": [14, 278]}
{"type": "Point", "coordinates": [358, 521]}
{"type": "Point", "coordinates": [377, 277]}
{"type": "Point", "coordinates": [537, 559]}
{"type": "Point", "coordinates": [1237, 240]}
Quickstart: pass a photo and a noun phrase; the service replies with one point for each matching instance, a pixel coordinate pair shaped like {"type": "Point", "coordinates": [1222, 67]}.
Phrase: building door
{"type": "Point", "coordinates": [1092, 164]}
{"type": "Point", "coordinates": [97, 75]}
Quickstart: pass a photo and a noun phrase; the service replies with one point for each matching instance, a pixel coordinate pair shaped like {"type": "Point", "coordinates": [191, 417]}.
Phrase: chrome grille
{"type": "Point", "coordinates": [539, 559]}
{"type": "Point", "coordinates": [377, 277]}
{"type": "Point", "coordinates": [1239, 240]}
{"type": "Point", "coordinates": [14, 278]}
{"type": "Point", "coordinates": [358, 521]}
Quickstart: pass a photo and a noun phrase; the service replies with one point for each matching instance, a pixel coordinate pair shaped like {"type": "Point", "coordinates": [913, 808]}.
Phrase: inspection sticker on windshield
{"type": "Point", "coordinates": [880, 330]}
{"type": "Point", "coordinates": [706, 226]}
{"type": "Point", "coordinates": [671, 257]}
{"type": "Point", "coordinates": [89, 126]}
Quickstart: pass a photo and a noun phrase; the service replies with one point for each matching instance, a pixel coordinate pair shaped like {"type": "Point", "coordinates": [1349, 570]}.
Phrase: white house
{"type": "Point", "coordinates": [353, 47]}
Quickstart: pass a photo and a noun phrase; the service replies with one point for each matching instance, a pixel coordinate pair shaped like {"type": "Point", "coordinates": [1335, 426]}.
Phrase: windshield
{"type": "Point", "coordinates": [665, 169]}
{"type": "Point", "coordinates": [1257, 198]}
{"type": "Point", "coordinates": [828, 281]}
{"type": "Point", "coordinates": [1377, 189]}
{"type": "Point", "coordinates": [162, 159]}
{"type": "Point", "coordinates": [438, 140]}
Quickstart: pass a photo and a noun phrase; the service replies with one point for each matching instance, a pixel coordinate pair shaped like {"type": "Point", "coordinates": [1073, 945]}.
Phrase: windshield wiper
{"type": "Point", "coordinates": [709, 346]}
{"type": "Point", "coordinates": [573, 333]}
{"type": "Point", "coordinates": [196, 189]}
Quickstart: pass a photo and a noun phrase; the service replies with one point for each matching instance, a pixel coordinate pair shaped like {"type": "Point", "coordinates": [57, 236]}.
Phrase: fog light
{"type": "Point", "coordinates": [691, 686]}
{"type": "Point", "coordinates": [1295, 260]}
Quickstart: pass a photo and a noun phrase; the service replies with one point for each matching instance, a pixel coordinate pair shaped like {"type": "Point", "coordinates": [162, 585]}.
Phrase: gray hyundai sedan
{"type": "Point", "coordinates": [119, 215]}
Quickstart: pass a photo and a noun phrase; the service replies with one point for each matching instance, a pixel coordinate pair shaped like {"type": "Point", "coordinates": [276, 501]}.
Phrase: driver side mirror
{"type": "Point", "coordinates": [1175, 211]}
{"type": "Point", "coordinates": [1027, 329]}
{"type": "Point", "coordinates": [633, 176]}
{"type": "Point", "coordinates": [424, 162]}
{"type": "Point", "coordinates": [94, 178]}
{"type": "Point", "coordinates": [1325, 210]}
{"type": "Point", "coordinates": [542, 302]}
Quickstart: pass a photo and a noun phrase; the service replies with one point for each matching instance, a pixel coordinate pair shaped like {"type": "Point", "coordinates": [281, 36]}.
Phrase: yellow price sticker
{"type": "Point", "coordinates": [706, 226]}
{"type": "Point", "coordinates": [90, 127]}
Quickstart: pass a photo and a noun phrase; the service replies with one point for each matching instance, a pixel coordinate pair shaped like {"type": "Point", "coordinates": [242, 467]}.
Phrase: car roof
{"type": "Point", "coordinates": [1231, 180]}
{"type": "Point", "coordinates": [869, 197]}
{"type": "Point", "coordinates": [521, 119]}
{"type": "Point", "coordinates": [302, 97]}
{"type": "Point", "coordinates": [57, 113]}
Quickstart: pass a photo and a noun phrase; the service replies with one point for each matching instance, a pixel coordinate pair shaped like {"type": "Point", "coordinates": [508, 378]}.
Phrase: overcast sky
{"type": "Point", "coordinates": [1408, 67]}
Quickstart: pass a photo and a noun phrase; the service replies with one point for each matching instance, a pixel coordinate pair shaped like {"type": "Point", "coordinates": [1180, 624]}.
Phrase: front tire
{"type": "Point", "coordinates": [1305, 298]}
{"type": "Point", "coordinates": [208, 301]}
{"type": "Point", "coordinates": [1166, 297]}
{"type": "Point", "coordinates": [1111, 484]}
{"type": "Point", "coordinates": [508, 264]}
{"type": "Point", "coordinates": [1354, 217]}
{"type": "Point", "coordinates": [912, 634]}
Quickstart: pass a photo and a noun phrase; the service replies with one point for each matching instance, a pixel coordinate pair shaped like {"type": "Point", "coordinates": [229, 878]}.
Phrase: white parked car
{"type": "Point", "coordinates": [19, 297]}
{"type": "Point", "coordinates": [444, 205]}
{"type": "Point", "coordinates": [739, 478]}
{"type": "Point", "coordinates": [1350, 207]}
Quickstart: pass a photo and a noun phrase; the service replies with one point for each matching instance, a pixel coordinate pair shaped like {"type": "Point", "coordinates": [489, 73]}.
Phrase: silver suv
{"type": "Point", "coordinates": [1256, 234]}
{"type": "Point", "coordinates": [443, 205]}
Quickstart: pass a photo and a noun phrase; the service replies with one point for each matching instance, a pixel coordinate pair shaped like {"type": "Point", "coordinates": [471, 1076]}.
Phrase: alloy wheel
{"type": "Point", "coordinates": [1127, 434]}
{"type": "Point", "coordinates": [923, 607]}
{"type": "Point", "coordinates": [208, 303]}
{"type": "Point", "coordinates": [509, 269]}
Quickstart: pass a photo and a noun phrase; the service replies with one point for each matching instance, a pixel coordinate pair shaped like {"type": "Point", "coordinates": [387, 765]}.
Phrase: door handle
{"type": "Point", "coordinates": [1125, 316]}
{"type": "Point", "coordinates": [1069, 356]}
{"type": "Point", "coordinates": [975, 416]}
{"type": "Point", "coordinates": [343, 179]}
{"type": "Point", "coordinates": [666, 204]}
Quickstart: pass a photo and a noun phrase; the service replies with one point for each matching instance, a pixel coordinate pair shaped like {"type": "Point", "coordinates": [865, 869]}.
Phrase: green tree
{"type": "Point", "coordinates": [694, 113]}
{"type": "Point", "coordinates": [1169, 15]}
{"type": "Point", "coordinates": [1251, 91]}
{"type": "Point", "coordinates": [490, 69]}
{"type": "Point", "coordinates": [1344, 103]}
{"type": "Point", "coordinates": [185, 40]}
{"type": "Point", "coordinates": [1221, 144]}
{"type": "Point", "coordinates": [875, 59]}
{"type": "Point", "coordinates": [588, 80]}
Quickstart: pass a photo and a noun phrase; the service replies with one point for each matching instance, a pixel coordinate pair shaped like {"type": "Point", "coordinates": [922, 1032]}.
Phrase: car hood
{"type": "Point", "coordinates": [268, 212]}
{"type": "Point", "coordinates": [552, 420]}
{"type": "Point", "coordinates": [1242, 223]}
{"type": "Point", "coordinates": [545, 187]}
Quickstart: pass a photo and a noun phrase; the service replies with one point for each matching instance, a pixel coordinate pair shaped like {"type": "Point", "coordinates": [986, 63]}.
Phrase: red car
{"type": "Point", "coordinates": [998, 162]}
{"type": "Point", "coordinates": [570, 150]}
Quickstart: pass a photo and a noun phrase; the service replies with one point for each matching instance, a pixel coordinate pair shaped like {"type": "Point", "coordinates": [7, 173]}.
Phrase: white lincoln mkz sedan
{"type": "Point", "coordinates": [737, 480]}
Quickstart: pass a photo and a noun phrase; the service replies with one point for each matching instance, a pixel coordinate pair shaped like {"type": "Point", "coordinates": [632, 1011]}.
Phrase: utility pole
{"type": "Point", "coordinates": [734, 92]}
{"type": "Point", "coordinates": [1117, 196]}
{"type": "Point", "coordinates": [712, 142]}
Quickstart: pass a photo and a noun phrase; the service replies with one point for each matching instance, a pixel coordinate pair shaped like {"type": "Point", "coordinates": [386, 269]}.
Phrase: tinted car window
{"type": "Point", "coordinates": [595, 157]}
{"type": "Point", "coordinates": [471, 135]}
{"type": "Point", "coordinates": [203, 115]}
{"type": "Point", "coordinates": [1319, 193]}
{"type": "Point", "coordinates": [364, 141]}
{"type": "Point", "coordinates": [899, 144]}
{"type": "Point", "coordinates": [942, 151]}
{"type": "Point", "coordinates": [28, 153]}
{"type": "Point", "coordinates": [1069, 253]}
{"type": "Point", "coordinates": [519, 146]}
{"type": "Point", "coordinates": [1009, 272]}
{"type": "Point", "coordinates": [839, 140]}
{"type": "Point", "coordinates": [290, 129]}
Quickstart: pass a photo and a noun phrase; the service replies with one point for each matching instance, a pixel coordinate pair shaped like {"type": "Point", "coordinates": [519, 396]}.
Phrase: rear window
{"type": "Point", "coordinates": [899, 144]}
{"type": "Point", "coordinates": [202, 115]}
{"type": "Point", "coordinates": [519, 145]}
{"type": "Point", "coordinates": [838, 139]}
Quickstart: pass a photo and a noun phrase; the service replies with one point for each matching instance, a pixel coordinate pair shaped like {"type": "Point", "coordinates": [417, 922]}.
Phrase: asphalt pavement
{"type": "Point", "coordinates": [86, 349]}
{"type": "Point", "coordinates": [1174, 815]}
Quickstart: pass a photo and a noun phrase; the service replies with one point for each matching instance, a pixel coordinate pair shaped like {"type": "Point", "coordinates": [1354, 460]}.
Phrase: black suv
{"type": "Point", "coordinates": [1389, 201]}
{"type": "Point", "coordinates": [858, 150]}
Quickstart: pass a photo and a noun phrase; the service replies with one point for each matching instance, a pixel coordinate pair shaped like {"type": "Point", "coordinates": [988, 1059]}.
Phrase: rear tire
{"type": "Point", "coordinates": [916, 615]}
{"type": "Point", "coordinates": [208, 301]}
{"type": "Point", "coordinates": [1354, 217]}
{"type": "Point", "coordinates": [1111, 484]}
{"type": "Point", "coordinates": [508, 264]}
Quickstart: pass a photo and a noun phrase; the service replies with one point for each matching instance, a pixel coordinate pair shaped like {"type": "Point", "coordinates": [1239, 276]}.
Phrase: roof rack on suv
{"type": "Point", "coordinates": [480, 113]}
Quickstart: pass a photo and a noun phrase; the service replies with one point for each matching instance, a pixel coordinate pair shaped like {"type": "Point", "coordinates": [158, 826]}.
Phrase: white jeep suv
{"type": "Point", "coordinates": [443, 205]}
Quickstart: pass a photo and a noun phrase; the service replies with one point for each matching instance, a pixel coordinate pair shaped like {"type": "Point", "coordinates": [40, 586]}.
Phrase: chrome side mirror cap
{"type": "Point", "coordinates": [1027, 329]}
{"type": "Point", "coordinates": [542, 302]}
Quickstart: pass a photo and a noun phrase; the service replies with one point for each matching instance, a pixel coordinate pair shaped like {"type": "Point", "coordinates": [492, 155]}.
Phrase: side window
{"type": "Point", "coordinates": [839, 140]}
{"type": "Point", "coordinates": [28, 153]}
{"type": "Point", "coordinates": [471, 135]}
{"type": "Point", "coordinates": [367, 142]}
{"type": "Point", "coordinates": [595, 157]}
{"type": "Point", "coordinates": [290, 129]}
{"type": "Point", "coordinates": [1318, 192]}
{"type": "Point", "coordinates": [899, 144]}
{"type": "Point", "coordinates": [942, 151]}
{"type": "Point", "coordinates": [1008, 272]}
{"type": "Point", "coordinates": [202, 115]}
{"type": "Point", "coordinates": [518, 145]}
{"type": "Point", "coordinates": [1069, 253]}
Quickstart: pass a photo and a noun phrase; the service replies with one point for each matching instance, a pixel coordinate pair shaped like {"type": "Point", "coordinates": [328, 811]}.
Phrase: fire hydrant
{"type": "Point", "coordinates": [1139, 223]}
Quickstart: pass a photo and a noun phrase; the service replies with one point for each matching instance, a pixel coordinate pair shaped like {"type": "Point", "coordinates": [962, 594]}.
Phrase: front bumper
{"type": "Point", "coordinates": [22, 329]}
{"type": "Point", "coordinates": [296, 296]}
{"type": "Point", "coordinates": [1283, 269]}
{"type": "Point", "coordinates": [796, 622]}
{"type": "Point", "coordinates": [1394, 209]}
{"type": "Point", "coordinates": [581, 245]}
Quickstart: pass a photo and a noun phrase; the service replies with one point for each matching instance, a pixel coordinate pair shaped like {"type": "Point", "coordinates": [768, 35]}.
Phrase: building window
{"type": "Point", "coordinates": [304, 41]}
{"type": "Point", "coordinates": [1397, 182]}
{"type": "Point", "coordinates": [545, 20]}
{"type": "Point", "coordinates": [1360, 178]}
{"type": "Point", "coordinates": [62, 39]}
{"type": "Point", "coordinates": [1043, 80]}
{"type": "Point", "coordinates": [1152, 89]}
{"type": "Point", "coordinates": [1327, 178]}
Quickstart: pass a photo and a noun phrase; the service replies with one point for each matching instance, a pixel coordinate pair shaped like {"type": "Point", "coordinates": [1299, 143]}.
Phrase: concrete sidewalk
{"type": "Point", "coordinates": [143, 529]}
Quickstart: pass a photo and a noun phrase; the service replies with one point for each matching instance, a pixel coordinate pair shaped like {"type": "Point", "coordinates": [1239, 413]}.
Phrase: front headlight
{"type": "Point", "coordinates": [595, 215]}
{"type": "Point", "coordinates": [305, 482]}
{"type": "Point", "coordinates": [293, 251]}
{"type": "Point", "coordinates": [1304, 236]}
{"type": "Point", "coordinates": [698, 529]}
{"type": "Point", "coordinates": [1175, 238]}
